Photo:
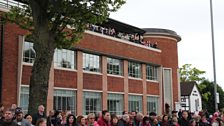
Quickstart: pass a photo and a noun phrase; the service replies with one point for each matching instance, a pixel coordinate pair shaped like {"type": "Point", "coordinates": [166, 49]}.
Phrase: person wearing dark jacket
{"type": "Point", "coordinates": [39, 115]}
{"type": "Point", "coordinates": [184, 120]}
{"type": "Point", "coordinates": [8, 119]}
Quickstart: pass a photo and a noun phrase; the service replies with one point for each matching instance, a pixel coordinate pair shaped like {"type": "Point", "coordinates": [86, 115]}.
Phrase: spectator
{"type": "Point", "coordinates": [204, 121]}
{"type": "Point", "coordinates": [1, 110]}
{"type": "Point", "coordinates": [165, 121]}
{"type": "Point", "coordinates": [19, 118]}
{"type": "Point", "coordinates": [114, 120]}
{"type": "Point", "coordinates": [156, 122]}
{"type": "Point", "coordinates": [146, 121]}
{"type": "Point", "coordinates": [29, 118]}
{"type": "Point", "coordinates": [184, 120]}
{"type": "Point", "coordinates": [174, 122]}
{"type": "Point", "coordinates": [180, 113]}
{"type": "Point", "coordinates": [39, 114]}
{"type": "Point", "coordinates": [71, 120]}
{"type": "Point", "coordinates": [139, 119]}
{"type": "Point", "coordinates": [152, 116]}
{"type": "Point", "coordinates": [192, 122]}
{"type": "Point", "coordinates": [81, 121]}
{"type": "Point", "coordinates": [105, 119]}
{"type": "Point", "coordinates": [8, 119]}
{"type": "Point", "coordinates": [56, 119]}
{"type": "Point", "coordinates": [91, 120]}
{"type": "Point", "coordinates": [41, 122]}
{"type": "Point", "coordinates": [124, 121]}
{"type": "Point", "coordinates": [49, 118]}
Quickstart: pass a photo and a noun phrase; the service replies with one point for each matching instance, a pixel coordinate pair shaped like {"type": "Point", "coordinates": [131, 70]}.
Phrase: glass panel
{"type": "Point", "coordinates": [64, 100]}
{"type": "Point", "coordinates": [114, 66]}
{"type": "Point", "coordinates": [151, 72]}
{"type": "Point", "coordinates": [135, 103]}
{"type": "Point", "coordinates": [24, 99]}
{"type": "Point", "coordinates": [29, 53]}
{"type": "Point", "coordinates": [92, 102]}
{"type": "Point", "coordinates": [134, 69]}
{"type": "Point", "coordinates": [91, 62]}
{"type": "Point", "coordinates": [65, 58]}
{"type": "Point", "coordinates": [115, 103]}
{"type": "Point", "coordinates": [152, 104]}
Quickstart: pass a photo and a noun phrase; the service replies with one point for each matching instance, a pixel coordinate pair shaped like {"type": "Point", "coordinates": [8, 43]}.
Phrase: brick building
{"type": "Point", "coordinates": [103, 71]}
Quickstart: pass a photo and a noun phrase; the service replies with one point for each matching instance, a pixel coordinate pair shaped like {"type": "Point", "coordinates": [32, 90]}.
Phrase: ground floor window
{"type": "Point", "coordinates": [115, 103]}
{"type": "Point", "coordinates": [135, 103]}
{"type": "Point", "coordinates": [65, 100]}
{"type": "Point", "coordinates": [91, 102]}
{"type": "Point", "coordinates": [152, 104]}
{"type": "Point", "coordinates": [24, 98]}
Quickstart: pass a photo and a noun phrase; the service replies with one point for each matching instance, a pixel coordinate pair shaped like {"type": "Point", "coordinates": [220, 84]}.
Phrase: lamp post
{"type": "Point", "coordinates": [213, 56]}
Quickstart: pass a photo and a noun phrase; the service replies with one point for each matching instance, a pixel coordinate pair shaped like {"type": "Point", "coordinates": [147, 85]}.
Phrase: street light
{"type": "Point", "coordinates": [213, 55]}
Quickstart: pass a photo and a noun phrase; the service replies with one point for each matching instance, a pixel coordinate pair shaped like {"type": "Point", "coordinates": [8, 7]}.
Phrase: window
{"type": "Point", "coordinates": [65, 58]}
{"type": "Point", "coordinates": [91, 62]}
{"type": "Point", "coordinates": [29, 53]}
{"type": "Point", "coordinates": [114, 66]}
{"type": "Point", "coordinates": [92, 102]}
{"type": "Point", "coordinates": [134, 69]}
{"type": "Point", "coordinates": [135, 103]}
{"type": "Point", "coordinates": [65, 100]}
{"type": "Point", "coordinates": [151, 72]}
{"type": "Point", "coordinates": [115, 103]}
{"type": "Point", "coordinates": [24, 98]}
{"type": "Point", "coordinates": [152, 104]}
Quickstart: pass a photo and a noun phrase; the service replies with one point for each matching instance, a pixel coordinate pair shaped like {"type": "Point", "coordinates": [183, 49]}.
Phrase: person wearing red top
{"type": "Point", "coordinates": [105, 119]}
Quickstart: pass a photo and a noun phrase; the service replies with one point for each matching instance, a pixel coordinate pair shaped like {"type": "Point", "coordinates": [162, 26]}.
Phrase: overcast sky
{"type": "Point", "coordinates": [191, 20]}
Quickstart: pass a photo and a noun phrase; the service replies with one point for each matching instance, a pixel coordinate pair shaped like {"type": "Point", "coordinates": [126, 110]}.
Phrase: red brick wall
{"type": "Point", "coordinates": [152, 88]}
{"type": "Point", "coordinates": [92, 82]}
{"type": "Point", "coordinates": [10, 64]}
{"type": "Point", "coordinates": [169, 58]}
{"type": "Point", "coordinates": [135, 86]}
{"type": "Point", "coordinates": [115, 84]}
{"type": "Point", "coordinates": [119, 49]}
{"type": "Point", "coordinates": [65, 79]}
{"type": "Point", "coordinates": [26, 74]}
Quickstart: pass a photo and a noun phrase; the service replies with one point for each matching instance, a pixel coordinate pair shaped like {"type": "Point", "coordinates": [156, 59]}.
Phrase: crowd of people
{"type": "Point", "coordinates": [136, 38]}
{"type": "Point", "coordinates": [15, 117]}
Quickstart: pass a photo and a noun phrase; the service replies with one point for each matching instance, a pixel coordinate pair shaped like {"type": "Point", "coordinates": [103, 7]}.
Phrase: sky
{"type": "Point", "coordinates": [191, 20]}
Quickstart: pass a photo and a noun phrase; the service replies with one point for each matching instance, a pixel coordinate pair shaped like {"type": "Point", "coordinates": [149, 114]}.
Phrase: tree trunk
{"type": "Point", "coordinates": [40, 74]}
{"type": "Point", "coordinates": [44, 47]}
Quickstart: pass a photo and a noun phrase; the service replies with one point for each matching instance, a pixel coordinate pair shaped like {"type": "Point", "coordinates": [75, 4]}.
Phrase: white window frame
{"type": "Point", "coordinates": [93, 97]}
{"type": "Point", "coordinates": [68, 56]}
{"type": "Point", "coordinates": [135, 101]}
{"type": "Point", "coordinates": [111, 67]}
{"type": "Point", "coordinates": [135, 72]}
{"type": "Point", "coordinates": [115, 100]}
{"type": "Point", "coordinates": [92, 61]}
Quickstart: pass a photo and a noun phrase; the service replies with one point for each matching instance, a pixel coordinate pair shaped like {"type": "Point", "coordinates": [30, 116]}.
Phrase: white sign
{"type": "Point", "coordinates": [217, 97]}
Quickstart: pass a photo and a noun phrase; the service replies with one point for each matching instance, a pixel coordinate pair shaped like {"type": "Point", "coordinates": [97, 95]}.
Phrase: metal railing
{"type": "Point", "coordinates": [7, 4]}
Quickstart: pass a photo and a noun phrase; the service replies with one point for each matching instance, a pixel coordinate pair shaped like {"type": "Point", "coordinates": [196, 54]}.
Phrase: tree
{"type": "Point", "coordinates": [206, 89]}
{"type": "Point", "coordinates": [187, 73]}
{"type": "Point", "coordinates": [55, 24]}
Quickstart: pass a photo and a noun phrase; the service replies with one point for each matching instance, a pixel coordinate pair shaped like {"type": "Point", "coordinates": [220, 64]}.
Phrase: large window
{"type": "Point", "coordinates": [152, 104]}
{"type": "Point", "coordinates": [151, 72]}
{"type": "Point", "coordinates": [65, 100]}
{"type": "Point", "coordinates": [65, 58]}
{"type": "Point", "coordinates": [29, 53]}
{"type": "Point", "coordinates": [114, 66]}
{"type": "Point", "coordinates": [134, 69]}
{"type": "Point", "coordinates": [24, 98]}
{"type": "Point", "coordinates": [115, 103]}
{"type": "Point", "coordinates": [135, 103]}
{"type": "Point", "coordinates": [92, 102]}
{"type": "Point", "coordinates": [91, 62]}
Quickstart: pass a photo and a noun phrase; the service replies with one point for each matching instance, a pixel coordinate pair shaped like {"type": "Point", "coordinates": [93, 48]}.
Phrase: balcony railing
{"type": "Point", "coordinates": [7, 4]}
{"type": "Point", "coordinates": [135, 37]}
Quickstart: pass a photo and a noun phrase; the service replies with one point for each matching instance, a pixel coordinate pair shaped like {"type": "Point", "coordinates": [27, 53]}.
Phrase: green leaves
{"type": "Point", "coordinates": [187, 73]}
{"type": "Point", "coordinates": [62, 16]}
